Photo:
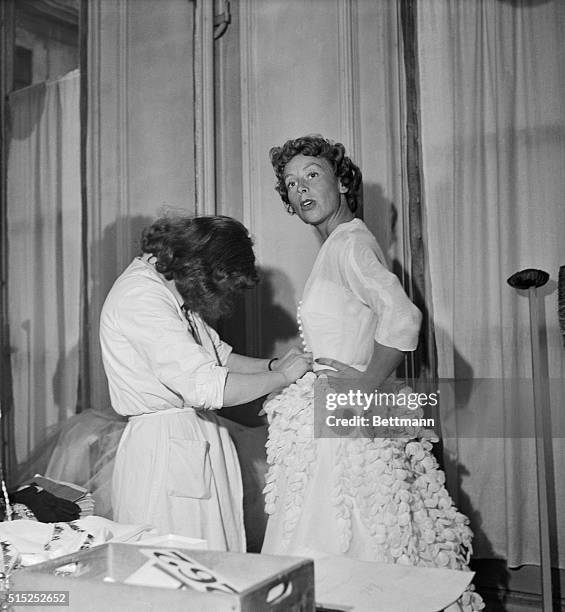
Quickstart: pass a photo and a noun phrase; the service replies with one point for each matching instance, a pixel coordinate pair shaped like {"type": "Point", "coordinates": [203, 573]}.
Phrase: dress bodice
{"type": "Point", "coordinates": [336, 325]}
{"type": "Point", "coordinates": [351, 300]}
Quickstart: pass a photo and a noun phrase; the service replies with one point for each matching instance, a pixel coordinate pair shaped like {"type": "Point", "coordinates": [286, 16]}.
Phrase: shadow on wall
{"type": "Point", "coordinates": [278, 328]}
{"type": "Point", "coordinates": [380, 214]}
{"type": "Point", "coordinates": [279, 325]}
{"type": "Point", "coordinates": [120, 243]}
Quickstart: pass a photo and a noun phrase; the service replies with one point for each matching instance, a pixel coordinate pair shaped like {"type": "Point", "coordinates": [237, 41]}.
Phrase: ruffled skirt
{"type": "Point", "coordinates": [376, 499]}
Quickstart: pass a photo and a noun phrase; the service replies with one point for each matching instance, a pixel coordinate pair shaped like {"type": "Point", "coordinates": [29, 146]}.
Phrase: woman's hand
{"type": "Point", "coordinates": [340, 369]}
{"type": "Point", "coordinates": [282, 362]}
{"type": "Point", "coordinates": [383, 363]}
{"type": "Point", "coordinates": [342, 374]}
{"type": "Point", "coordinates": [293, 364]}
{"type": "Point", "coordinates": [241, 388]}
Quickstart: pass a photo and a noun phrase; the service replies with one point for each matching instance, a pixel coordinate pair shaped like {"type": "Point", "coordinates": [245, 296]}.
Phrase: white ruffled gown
{"type": "Point", "coordinates": [371, 499]}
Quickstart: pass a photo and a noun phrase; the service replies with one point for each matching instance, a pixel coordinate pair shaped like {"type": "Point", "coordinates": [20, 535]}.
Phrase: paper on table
{"type": "Point", "coordinates": [359, 586]}
{"type": "Point", "coordinates": [173, 541]}
{"type": "Point", "coordinates": [190, 572]}
{"type": "Point", "coordinates": [152, 576]}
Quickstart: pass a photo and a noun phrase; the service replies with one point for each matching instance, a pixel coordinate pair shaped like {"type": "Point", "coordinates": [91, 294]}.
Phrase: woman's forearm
{"type": "Point", "coordinates": [242, 388]}
{"type": "Point", "coordinates": [245, 385]}
{"type": "Point", "coordinates": [246, 365]}
{"type": "Point", "coordinates": [384, 362]}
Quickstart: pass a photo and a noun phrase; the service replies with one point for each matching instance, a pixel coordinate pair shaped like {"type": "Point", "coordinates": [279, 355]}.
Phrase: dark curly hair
{"type": "Point", "coordinates": [317, 146]}
{"type": "Point", "coordinates": [210, 258]}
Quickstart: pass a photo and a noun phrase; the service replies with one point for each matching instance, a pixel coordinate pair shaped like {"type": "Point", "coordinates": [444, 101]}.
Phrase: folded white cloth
{"type": "Point", "coordinates": [35, 542]}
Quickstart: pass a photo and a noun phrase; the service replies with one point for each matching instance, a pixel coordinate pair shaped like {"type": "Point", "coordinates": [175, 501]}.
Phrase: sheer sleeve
{"type": "Point", "coordinates": [371, 281]}
{"type": "Point", "coordinates": [150, 322]}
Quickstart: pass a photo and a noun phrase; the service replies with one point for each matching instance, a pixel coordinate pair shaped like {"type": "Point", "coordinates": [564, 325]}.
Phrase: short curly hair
{"type": "Point", "coordinates": [317, 146]}
{"type": "Point", "coordinates": [210, 259]}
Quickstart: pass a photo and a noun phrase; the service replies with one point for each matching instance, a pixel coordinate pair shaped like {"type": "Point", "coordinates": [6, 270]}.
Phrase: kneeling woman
{"type": "Point", "coordinates": [176, 466]}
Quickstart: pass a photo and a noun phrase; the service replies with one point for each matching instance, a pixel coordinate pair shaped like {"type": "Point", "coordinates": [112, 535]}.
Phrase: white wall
{"type": "Point", "coordinates": [140, 136]}
{"type": "Point", "coordinates": [306, 66]}
{"type": "Point", "coordinates": [283, 69]}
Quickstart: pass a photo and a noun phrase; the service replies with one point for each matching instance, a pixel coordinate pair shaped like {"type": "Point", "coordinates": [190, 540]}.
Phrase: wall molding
{"type": "Point", "coordinates": [204, 103]}
{"type": "Point", "coordinates": [94, 224]}
{"type": "Point", "coordinates": [349, 95]}
{"type": "Point", "coordinates": [108, 146]}
{"type": "Point", "coordinates": [250, 182]}
{"type": "Point", "coordinates": [123, 230]}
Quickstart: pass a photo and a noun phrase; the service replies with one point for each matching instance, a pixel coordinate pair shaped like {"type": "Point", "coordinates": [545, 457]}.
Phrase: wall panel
{"type": "Point", "coordinates": [140, 147]}
{"type": "Point", "coordinates": [317, 66]}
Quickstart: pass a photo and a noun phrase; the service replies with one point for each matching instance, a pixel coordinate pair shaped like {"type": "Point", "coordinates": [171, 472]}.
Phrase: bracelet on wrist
{"type": "Point", "coordinates": [270, 365]}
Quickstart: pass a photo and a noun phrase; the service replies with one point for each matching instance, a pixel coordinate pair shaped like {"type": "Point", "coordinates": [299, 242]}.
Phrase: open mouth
{"type": "Point", "coordinates": [306, 204]}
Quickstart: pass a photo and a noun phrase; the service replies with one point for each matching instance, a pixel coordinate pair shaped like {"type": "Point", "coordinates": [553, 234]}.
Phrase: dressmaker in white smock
{"type": "Point", "coordinates": [176, 467]}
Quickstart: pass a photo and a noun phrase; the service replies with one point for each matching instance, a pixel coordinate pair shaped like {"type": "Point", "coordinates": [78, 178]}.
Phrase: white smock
{"type": "Point", "coordinates": [176, 466]}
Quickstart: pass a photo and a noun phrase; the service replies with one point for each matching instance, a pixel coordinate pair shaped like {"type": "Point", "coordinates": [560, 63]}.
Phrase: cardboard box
{"type": "Point", "coordinates": [265, 582]}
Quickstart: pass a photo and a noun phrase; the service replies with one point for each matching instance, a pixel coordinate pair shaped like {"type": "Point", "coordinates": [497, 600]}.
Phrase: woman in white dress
{"type": "Point", "coordinates": [380, 499]}
{"type": "Point", "coordinates": [176, 467]}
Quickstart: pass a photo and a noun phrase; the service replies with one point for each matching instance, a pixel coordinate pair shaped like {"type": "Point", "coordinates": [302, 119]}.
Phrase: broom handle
{"type": "Point", "coordinates": [541, 406]}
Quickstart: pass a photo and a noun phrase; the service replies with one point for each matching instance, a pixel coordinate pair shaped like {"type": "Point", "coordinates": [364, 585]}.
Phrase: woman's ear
{"type": "Point", "coordinates": [342, 188]}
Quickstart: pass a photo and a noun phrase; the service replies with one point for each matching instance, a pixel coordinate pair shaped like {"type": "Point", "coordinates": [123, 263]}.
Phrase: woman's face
{"type": "Point", "coordinates": [314, 192]}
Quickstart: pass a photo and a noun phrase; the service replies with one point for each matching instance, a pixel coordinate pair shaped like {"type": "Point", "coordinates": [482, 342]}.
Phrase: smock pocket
{"type": "Point", "coordinates": [189, 472]}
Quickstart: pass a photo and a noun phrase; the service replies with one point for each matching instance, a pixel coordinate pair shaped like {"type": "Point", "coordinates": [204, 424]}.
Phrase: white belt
{"type": "Point", "coordinates": [155, 413]}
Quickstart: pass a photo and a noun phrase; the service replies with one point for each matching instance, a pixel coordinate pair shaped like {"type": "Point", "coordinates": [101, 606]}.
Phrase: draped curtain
{"type": "Point", "coordinates": [492, 85]}
{"type": "Point", "coordinates": [139, 151]}
{"type": "Point", "coordinates": [44, 230]}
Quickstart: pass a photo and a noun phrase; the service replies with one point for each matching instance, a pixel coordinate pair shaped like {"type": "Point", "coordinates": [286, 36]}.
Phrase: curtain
{"type": "Point", "coordinates": [492, 77]}
{"type": "Point", "coordinates": [44, 229]}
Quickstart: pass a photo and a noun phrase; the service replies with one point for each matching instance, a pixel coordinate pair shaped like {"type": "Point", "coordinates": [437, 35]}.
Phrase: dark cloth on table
{"type": "Point", "coordinates": [47, 507]}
